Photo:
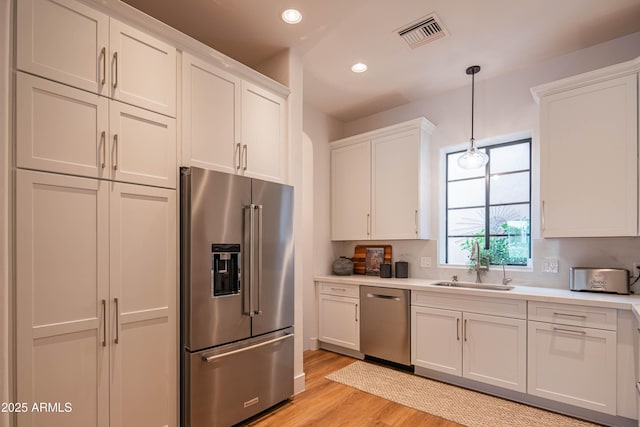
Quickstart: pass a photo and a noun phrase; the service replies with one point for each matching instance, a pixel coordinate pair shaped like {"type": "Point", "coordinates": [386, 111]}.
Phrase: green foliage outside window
{"type": "Point", "coordinates": [511, 247]}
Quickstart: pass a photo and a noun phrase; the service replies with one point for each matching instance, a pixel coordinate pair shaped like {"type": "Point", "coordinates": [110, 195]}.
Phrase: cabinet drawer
{"type": "Point", "coordinates": [504, 307]}
{"type": "Point", "coordinates": [340, 289]}
{"type": "Point", "coordinates": [574, 315]}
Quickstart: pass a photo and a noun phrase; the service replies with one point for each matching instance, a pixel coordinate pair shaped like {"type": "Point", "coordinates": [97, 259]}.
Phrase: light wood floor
{"type": "Point", "coordinates": [327, 403]}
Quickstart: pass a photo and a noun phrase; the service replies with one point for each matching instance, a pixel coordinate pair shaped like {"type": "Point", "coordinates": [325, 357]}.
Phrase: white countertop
{"type": "Point", "coordinates": [531, 293]}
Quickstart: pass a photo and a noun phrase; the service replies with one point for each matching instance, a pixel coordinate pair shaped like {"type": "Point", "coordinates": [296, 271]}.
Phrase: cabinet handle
{"type": "Point", "coordinates": [569, 330]}
{"type": "Point", "coordinates": [238, 156]}
{"type": "Point", "coordinates": [115, 300]}
{"type": "Point", "coordinates": [339, 289]}
{"type": "Point", "coordinates": [104, 322]}
{"type": "Point", "coordinates": [356, 312]}
{"type": "Point", "coordinates": [368, 224]}
{"type": "Point", "coordinates": [465, 330]}
{"type": "Point", "coordinates": [103, 55]}
{"type": "Point", "coordinates": [579, 316]}
{"type": "Point", "coordinates": [458, 329]}
{"type": "Point", "coordinates": [115, 76]}
{"type": "Point", "coordinates": [245, 156]}
{"type": "Point", "coordinates": [416, 221]}
{"type": "Point", "coordinates": [115, 147]}
{"type": "Point", "coordinates": [103, 141]}
{"type": "Point", "coordinates": [543, 219]}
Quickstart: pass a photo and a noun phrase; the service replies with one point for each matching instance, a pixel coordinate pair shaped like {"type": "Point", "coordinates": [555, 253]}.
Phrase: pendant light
{"type": "Point", "coordinates": [472, 158]}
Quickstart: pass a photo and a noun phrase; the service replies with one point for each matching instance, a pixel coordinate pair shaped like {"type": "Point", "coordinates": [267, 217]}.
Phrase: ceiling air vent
{"type": "Point", "coordinates": [425, 30]}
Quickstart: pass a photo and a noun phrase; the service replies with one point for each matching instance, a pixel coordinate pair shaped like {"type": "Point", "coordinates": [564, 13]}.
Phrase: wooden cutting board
{"type": "Point", "coordinates": [360, 259]}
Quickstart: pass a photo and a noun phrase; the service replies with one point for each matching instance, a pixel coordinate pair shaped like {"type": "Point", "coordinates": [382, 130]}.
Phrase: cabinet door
{"type": "Point", "coordinates": [264, 140]}
{"type": "Point", "coordinates": [211, 117]}
{"type": "Point", "coordinates": [589, 160]}
{"type": "Point", "coordinates": [573, 365]}
{"type": "Point", "coordinates": [143, 146]}
{"type": "Point", "coordinates": [143, 69]}
{"type": "Point", "coordinates": [339, 321]}
{"type": "Point", "coordinates": [64, 40]}
{"type": "Point", "coordinates": [395, 178]}
{"type": "Point", "coordinates": [59, 128]}
{"type": "Point", "coordinates": [350, 192]}
{"type": "Point", "coordinates": [495, 351]}
{"type": "Point", "coordinates": [144, 282]}
{"type": "Point", "coordinates": [436, 339]}
{"type": "Point", "coordinates": [62, 275]}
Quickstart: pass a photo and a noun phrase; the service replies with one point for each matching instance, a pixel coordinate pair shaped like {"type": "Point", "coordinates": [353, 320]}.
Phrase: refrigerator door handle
{"type": "Point", "coordinates": [259, 273]}
{"type": "Point", "coordinates": [209, 359]}
{"type": "Point", "coordinates": [247, 289]}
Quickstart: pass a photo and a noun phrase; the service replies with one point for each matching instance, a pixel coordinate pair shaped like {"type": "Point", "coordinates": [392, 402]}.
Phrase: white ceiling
{"type": "Point", "coordinates": [499, 35]}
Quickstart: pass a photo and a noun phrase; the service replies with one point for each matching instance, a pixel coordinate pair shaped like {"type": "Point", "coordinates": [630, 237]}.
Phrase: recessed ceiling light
{"type": "Point", "coordinates": [359, 67]}
{"type": "Point", "coordinates": [291, 16]}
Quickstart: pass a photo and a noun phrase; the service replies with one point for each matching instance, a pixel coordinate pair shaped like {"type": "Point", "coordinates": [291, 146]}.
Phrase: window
{"type": "Point", "coordinates": [491, 205]}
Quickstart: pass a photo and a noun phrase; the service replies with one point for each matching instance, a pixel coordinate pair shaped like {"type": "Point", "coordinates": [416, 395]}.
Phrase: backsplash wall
{"type": "Point", "coordinates": [584, 252]}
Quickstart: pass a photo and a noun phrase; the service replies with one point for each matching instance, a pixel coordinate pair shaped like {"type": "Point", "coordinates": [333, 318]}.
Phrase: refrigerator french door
{"type": "Point", "coordinates": [236, 296]}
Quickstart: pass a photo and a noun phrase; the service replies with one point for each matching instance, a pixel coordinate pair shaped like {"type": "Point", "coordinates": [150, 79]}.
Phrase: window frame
{"type": "Point", "coordinates": [487, 197]}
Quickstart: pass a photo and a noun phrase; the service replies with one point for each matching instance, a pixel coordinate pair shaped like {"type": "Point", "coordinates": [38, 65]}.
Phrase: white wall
{"type": "Point", "coordinates": [5, 173]}
{"type": "Point", "coordinates": [319, 129]}
{"type": "Point", "coordinates": [504, 105]}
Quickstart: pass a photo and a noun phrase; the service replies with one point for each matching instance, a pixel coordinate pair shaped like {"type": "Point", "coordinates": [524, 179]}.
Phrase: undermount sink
{"type": "Point", "coordinates": [472, 285]}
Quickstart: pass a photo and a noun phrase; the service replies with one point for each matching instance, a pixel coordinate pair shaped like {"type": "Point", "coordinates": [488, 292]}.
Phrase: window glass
{"type": "Point", "coordinates": [466, 222]}
{"type": "Point", "coordinates": [509, 158]}
{"type": "Point", "coordinates": [509, 188]}
{"type": "Point", "coordinates": [462, 194]}
{"type": "Point", "coordinates": [506, 202]}
{"type": "Point", "coordinates": [504, 217]}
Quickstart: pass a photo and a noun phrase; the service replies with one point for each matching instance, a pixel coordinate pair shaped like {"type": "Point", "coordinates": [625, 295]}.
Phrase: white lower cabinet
{"type": "Point", "coordinates": [570, 363]}
{"type": "Point", "coordinates": [96, 301]}
{"type": "Point", "coordinates": [339, 314]}
{"type": "Point", "coordinates": [478, 346]}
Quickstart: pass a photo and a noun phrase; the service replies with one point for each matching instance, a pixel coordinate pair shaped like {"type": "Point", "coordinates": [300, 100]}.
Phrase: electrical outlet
{"type": "Point", "coordinates": [425, 262]}
{"type": "Point", "coordinates": [550, 265]}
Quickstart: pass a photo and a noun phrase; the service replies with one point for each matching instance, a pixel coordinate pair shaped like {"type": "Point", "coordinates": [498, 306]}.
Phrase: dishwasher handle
{"type": "Point", "coordinates": [382, 296]}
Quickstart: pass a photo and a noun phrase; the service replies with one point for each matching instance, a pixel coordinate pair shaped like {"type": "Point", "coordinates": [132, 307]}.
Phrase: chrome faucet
{"type": "Point", "coordinates": [505, 279]}
{"type": "Point", "coordinates": [475, 256]}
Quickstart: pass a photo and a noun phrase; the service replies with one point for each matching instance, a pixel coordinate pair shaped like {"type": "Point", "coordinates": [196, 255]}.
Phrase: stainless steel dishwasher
{"type": "Point", "coordinates": [385, 324]}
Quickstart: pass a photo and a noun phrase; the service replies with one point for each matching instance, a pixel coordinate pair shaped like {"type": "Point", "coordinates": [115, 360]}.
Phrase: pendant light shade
{"type": "Point", "coordinates": [472, 158]}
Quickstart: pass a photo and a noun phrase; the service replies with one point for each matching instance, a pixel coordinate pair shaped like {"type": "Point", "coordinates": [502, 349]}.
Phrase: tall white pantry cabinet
{"type": "Point", "coordinates": [96, 225]}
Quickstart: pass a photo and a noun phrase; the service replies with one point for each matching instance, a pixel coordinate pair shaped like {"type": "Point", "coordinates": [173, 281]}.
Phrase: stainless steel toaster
{"type": "Point", "coordinates": [612, 280]}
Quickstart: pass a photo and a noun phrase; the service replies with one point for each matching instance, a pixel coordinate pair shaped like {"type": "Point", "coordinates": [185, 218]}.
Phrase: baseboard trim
{"type": "Point", "coordinates": [298, 383]}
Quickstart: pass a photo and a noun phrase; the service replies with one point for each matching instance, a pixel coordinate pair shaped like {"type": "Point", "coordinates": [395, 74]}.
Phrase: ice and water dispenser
{"type": "Point", "coordinates": [225, 269]}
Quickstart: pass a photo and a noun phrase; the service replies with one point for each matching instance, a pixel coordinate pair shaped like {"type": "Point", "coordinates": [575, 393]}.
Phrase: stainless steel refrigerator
{"type": "Point", "coordinates": [236, 253]}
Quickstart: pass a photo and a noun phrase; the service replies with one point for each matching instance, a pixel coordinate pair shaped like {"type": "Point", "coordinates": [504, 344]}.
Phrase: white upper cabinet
{"type": "Point", "coordinates": [66, 130]}
{"type": "Point", "coordinates": [350, 192]}
{"type": "Point", "coordinates": [65, 41]}
{"type": "Point", "coordinates": [68, 42]}
{"type": "Point", "coordinates": [232, 125]}
{"type": "Point", "coordinates": [60, 128]}
{"type": "Point", "coordinates": [210, 116]}
{"type": "Point", "coordinates": [589, 154]}
{"type": "Point", "coordinates": [380, 184]}
{"type": "Point", "coordinates": [264, 139]}
{"type": "Point", "coordinates": [396, 185]}
{"type": "Point", "coordinates": [143, 69]}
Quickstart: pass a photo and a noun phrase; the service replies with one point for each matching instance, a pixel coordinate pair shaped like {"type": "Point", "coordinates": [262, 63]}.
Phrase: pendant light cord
{"type": "Point", "coordinates": [473, 91]}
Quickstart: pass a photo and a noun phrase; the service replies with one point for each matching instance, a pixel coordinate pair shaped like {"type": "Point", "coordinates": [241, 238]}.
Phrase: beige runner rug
{"type": "Point", "coordinates": [453, 403]}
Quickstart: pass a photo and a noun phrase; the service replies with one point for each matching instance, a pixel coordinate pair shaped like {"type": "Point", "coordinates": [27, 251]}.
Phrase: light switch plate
{"type": "Point", "coordinates": [550, 265]}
